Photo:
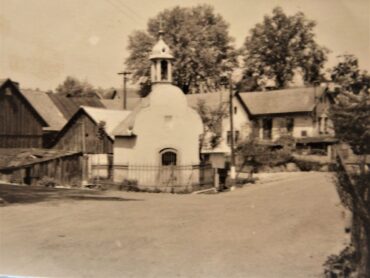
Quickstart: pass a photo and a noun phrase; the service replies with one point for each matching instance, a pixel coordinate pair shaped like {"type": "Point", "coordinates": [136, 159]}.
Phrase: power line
{"type": "Point", "coordinates": [122, 11]}
{"type": "Point", "coordinates": [130, 9]}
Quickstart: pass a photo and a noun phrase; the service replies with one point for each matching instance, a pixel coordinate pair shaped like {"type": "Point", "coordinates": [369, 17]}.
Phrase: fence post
{"type": "Point", "coordinates": [216, 180]}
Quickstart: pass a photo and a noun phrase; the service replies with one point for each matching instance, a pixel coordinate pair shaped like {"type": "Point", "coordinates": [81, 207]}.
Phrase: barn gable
{"type": "Point", "coordinates": [20, 124]}
{"type": "Point", "coordinates": [81, 131]}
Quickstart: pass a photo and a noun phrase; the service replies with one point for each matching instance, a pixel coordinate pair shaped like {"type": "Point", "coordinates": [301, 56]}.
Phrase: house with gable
{"type": "Point", "coordinates": [21, 125]}
{"type": "Point", "coordinates": [302, 113]}
{"type": "Point", "coordinates": [218, 101]}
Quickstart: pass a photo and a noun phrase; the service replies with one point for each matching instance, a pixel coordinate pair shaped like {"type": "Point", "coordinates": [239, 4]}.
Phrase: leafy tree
{"type": "Point", "coordinates": [199, 41]}
{"type": "Point", "coordinates": [348, 75]}
{"type": "Point", "coordinates": [212, 122]}
{"type": "Point", "coordinates": [250, 154]}
{"type": "Point", "coordinates": [351, 118]}
{"type": "Point", "coordinates": [254, 154]}
{"type": "Point", "coordinates": [278, 46]}
{"type": "Point", "coordinates": [72, 87]}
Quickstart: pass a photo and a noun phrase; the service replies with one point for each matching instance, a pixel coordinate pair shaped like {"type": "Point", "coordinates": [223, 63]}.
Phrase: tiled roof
{"type": "Point", "coordinates": [69, 105]}
{"type": "Point", "coordinates": [282, 101]}
{"type": "Point", "coordinates": [47, 109]}
{"type": "Point", "coordinates": [112, 118]}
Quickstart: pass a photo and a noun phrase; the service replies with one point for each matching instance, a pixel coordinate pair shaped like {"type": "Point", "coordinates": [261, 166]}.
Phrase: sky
{"type": "Point", "coordinates": [43, 41]}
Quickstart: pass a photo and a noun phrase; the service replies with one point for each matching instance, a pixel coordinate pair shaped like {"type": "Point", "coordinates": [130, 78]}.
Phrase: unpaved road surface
{"type": "Point", "coordinates": [283, 227]}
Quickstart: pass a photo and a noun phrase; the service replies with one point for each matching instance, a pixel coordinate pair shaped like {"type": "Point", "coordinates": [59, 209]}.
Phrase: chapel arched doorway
{"type": "Point", "coordinates": [168, 170]}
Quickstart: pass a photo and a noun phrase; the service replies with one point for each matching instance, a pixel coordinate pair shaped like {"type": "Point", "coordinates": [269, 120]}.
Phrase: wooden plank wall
{"type": "Point", "coordinates": [65, 170]}
{"type": "Point", "coordinates": [19, 127]}
{"type": "Point", "coordinates": [83, 131]}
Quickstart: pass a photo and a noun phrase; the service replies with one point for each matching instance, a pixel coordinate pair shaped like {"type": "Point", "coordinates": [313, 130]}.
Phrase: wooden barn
{"type": "Point", "coordinates": [81, 134]}
{"type": "Point", "coordinates": [21, 126]}
{"type": "Point", "coordinates": [56, 110]}
{"type": "Point", "coordinates": [81, 131]}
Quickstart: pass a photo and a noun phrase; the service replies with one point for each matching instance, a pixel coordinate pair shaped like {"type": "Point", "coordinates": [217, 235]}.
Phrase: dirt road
{"type": "Point", "coordinates": [284, 227]}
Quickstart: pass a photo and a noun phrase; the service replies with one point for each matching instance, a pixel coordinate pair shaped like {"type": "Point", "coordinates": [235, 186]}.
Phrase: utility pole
{"type": "Point", "coordinates": [231, 112]}
{"type": "Point", "coordinates": [124, 73]}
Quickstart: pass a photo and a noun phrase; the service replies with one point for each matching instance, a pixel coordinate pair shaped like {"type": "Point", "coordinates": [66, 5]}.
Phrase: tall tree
{"type": "Point", "coordinates": [72, 87]}
{"type": "Point", "coordinates": [199, 41]}
{"type": "Point", "coordinates": [348, 75]}
{"type": "Point", "coordinates": [212, 122]}
{"type": "Point", "coordinates": [280, 45]}
{"type": "Point", "coordinates": [351, 118]}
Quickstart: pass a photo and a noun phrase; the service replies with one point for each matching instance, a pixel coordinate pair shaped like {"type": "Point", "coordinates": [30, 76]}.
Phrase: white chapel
{"type": "Point", "coordinates": [163, 131]}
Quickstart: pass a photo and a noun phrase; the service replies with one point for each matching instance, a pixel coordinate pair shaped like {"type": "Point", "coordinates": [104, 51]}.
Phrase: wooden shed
{"type": "Point", "coordinates": [21, 126]}
{"type": "Point", "coordinates": [81, 131]}
{"type": "Point", "coordinates": [30, 166]}
{"type": "Point", "coordinates": [81, 134]}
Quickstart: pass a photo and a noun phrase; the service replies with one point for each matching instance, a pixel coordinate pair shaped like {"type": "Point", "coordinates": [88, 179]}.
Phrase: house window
{"type": "Point", "coordinates": [236, 137]}
{"type": "Point", "coordinates": [168, 158]}
{"type": "Point", "coordinates": [323, 125]}
{"type": "Point", "coordinates": [267, 128]}
{"type": "Point", "coordinates": [289, 125]}
{"type": "Point", "coordinates": [235, 109]}
{"type": "Point", "coordinates": [304, 133]}
{"type": "Point", "coordinates": [326, 125]}
{"type": "Point", "coordinates": [229, 138]}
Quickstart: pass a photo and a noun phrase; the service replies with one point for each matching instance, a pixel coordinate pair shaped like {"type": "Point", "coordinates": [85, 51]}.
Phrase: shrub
{"type": "Point", "coordinates": [306, 165]}
{"type": "Point", "coordinates": [287, 141]}
{"type": "Point", "coordinates": [129, 185]}
{"type": "Point", "coordinates": [242, 181]}
{"type": "Point", "coordinates": [48, 182]}
{"type": "Point", "coordinates": [342, 265]}
{"type": "Point", "coordinates": [279, 157]}
{"type": "Point", "coordinates": [318, 152]}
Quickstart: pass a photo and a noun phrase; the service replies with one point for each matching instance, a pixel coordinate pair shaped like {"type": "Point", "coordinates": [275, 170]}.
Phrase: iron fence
{"type": "Point", "coordinates": [163, 178]}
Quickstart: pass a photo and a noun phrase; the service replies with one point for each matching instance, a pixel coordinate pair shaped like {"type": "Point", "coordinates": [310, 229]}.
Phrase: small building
{"type": "Point", "coordinates": [21, 125]}
{"type": "Point", "coordinates": [157, 145]}
{"type": "Point", "coordinates": [25, 111]}
{"type": "Point", "coordinates": [33, 166]}
{"type": "Point", "coordinates": [82, 134]}
{"type": "Point", "coordinates": [218, 102]}
{"type": "Point", "coordinates": [301, 113]}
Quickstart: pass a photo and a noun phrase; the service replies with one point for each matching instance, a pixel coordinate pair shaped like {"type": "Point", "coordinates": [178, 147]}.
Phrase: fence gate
{"type": "Point", "coordinates": [168, 176]}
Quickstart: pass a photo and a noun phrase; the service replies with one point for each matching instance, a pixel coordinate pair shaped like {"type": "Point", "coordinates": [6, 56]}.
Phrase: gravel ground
{"type": "Point", "coordinates": [284, 226]}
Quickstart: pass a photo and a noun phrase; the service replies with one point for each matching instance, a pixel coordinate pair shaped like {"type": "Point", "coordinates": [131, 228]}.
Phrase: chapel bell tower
{"type": "Point", "coordinates": [161, 61]}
